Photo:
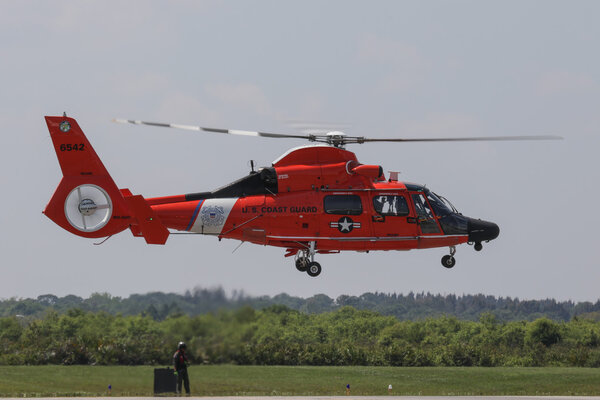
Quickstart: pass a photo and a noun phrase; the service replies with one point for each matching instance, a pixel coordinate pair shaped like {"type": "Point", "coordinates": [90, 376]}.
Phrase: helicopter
{"type": "Point", "coordinates": [314, 199]}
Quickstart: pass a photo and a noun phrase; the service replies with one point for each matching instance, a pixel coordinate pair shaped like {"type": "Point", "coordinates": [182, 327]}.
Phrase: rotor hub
{"type": "Point", "coordinates": [336, 138]}
{"type": "Point", "coordinates": [87, 207]}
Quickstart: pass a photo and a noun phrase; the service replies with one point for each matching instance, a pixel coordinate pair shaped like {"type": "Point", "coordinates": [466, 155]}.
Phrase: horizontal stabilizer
{"type": "Point", "coordinates": [148, 224]}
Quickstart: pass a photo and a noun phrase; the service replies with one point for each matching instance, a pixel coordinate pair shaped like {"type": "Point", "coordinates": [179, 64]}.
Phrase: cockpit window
{"type": "Point", "coordinates": [343, 204]}
{"type": "Point", "coordinates": [421, 206]}
{"type": "Point", "coordinates": [425, 215]}
{"type": "Point", "coordinates": [440, 208]}
{"type": "Point", "coordinates": [390, 205]}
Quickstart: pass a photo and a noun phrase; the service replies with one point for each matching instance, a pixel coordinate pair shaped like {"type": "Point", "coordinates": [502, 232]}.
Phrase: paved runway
{"type": "Point", "coordinates": [332, 398]}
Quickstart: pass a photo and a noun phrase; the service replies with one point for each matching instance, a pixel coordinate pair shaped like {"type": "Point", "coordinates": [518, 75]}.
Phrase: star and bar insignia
{"type": "Point", "coordinates": [345, 224]}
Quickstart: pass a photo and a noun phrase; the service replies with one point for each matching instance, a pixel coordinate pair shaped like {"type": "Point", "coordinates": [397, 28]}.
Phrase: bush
{"type": "Point", "coordinates": [281, 336]}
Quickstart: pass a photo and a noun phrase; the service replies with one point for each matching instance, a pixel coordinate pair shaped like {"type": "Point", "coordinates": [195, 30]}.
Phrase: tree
{"type": "Point", "coordinates": [543, 331]}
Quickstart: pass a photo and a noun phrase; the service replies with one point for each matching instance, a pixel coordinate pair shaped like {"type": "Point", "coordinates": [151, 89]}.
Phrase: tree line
{"type": "Point", "coordinates": [279, 335]}
{"type": "Point", "coordinates": [411, 306]}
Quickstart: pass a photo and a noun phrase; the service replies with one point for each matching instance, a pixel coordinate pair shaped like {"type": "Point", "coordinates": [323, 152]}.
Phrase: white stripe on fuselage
{"type": "Point", "coordinates": [212, 216]}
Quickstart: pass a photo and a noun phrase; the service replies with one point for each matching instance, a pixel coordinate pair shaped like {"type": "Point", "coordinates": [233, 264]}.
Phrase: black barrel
{"type": "Point", "coordinates": [164, 381]}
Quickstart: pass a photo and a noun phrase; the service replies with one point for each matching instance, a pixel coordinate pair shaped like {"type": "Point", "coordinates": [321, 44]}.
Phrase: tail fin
{"type": "Point", "coordinates": [87, 202]}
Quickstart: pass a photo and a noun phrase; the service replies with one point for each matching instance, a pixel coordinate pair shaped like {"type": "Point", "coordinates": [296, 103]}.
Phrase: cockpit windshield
{"type": "Point", "coordinates": [440, 205]}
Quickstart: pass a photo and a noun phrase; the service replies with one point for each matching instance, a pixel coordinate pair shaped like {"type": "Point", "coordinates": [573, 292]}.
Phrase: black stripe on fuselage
{"type": "Point", "coordinates": [198, 196]}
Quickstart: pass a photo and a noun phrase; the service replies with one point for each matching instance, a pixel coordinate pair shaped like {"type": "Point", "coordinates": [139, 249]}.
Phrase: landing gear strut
{"type": "Point", "coordinates": [305, 261]}
{"type": "Point", "coordinates": [449, 261]}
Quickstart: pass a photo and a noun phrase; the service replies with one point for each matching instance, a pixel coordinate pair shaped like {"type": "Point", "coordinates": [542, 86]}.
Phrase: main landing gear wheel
{"type": "Point", "coordinates": [302, 264]}
{"type": "Point", "coordinates": [305, 260]}
{"type": "Point", "coordinates": [313, 269]}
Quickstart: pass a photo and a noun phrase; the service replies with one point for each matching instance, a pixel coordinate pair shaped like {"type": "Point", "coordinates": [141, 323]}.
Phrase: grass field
{"type": "Point", "coordinates": [230, 380]}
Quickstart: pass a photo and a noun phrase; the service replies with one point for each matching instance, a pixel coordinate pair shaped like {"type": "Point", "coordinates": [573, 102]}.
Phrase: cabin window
{"type": "Point", "coordinates": [390, 205]}
{"type": "Point", "coordinates": [343, 204]}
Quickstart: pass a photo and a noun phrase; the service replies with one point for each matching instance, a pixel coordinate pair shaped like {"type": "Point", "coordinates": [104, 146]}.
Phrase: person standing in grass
{"type": "Point", "coordinates": [180, 366]}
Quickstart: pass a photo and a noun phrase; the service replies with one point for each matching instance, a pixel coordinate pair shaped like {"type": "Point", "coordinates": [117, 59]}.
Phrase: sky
{"type": "Point", "coordinates": [385, 68]}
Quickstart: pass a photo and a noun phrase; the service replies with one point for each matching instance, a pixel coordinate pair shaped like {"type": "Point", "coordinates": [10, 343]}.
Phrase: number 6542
{"type": "Point", "coordinates": [72, 147]}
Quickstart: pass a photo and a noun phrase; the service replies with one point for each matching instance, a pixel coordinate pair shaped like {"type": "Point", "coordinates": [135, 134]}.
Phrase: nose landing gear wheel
{"type": "Point", "coordinates": [448, 261]}
{"type": "Point", "coordinates": [313, 269]}
{"type": "Point", "coordinates": [302, 264]}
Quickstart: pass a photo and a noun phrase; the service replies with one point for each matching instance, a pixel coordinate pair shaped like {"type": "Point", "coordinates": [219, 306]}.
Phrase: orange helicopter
{"type": "Point", "coordinates": [316, 199]}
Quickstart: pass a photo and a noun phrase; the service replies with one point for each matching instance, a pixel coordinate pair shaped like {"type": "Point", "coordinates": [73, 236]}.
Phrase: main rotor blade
{"type": "Point", "coordinates": [215, 130]}
{"type": "Point", "coordinates": [337, 140]}
{"type": "Point", "coordinates": [463, 139]}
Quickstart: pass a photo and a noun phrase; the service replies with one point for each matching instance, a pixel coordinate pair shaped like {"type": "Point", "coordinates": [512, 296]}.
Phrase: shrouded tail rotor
{"type": "Point", "coordinates": [88, 208]}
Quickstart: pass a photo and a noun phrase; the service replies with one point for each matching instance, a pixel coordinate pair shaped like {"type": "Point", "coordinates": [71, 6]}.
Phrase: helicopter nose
{"type": "Point", "coordinates": [482, 231]}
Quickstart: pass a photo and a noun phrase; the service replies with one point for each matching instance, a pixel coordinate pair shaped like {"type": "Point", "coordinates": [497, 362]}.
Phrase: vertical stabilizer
{"type": "Point", "coordinates": [87, 202]}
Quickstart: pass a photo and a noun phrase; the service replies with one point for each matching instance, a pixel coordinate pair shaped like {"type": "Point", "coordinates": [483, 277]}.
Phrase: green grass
{"type": "Point", "coordinates": [230, 380]}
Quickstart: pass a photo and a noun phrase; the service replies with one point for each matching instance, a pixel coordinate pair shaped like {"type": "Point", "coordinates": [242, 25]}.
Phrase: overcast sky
{"type": "Point", "coordinates": [389, 69]}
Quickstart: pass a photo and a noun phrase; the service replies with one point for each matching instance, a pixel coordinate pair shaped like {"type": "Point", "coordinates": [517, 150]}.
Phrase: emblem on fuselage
{"type": "Point", "coordinates": [345, 225]}
{"type": "Point", "coordinates": [213, 216]}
